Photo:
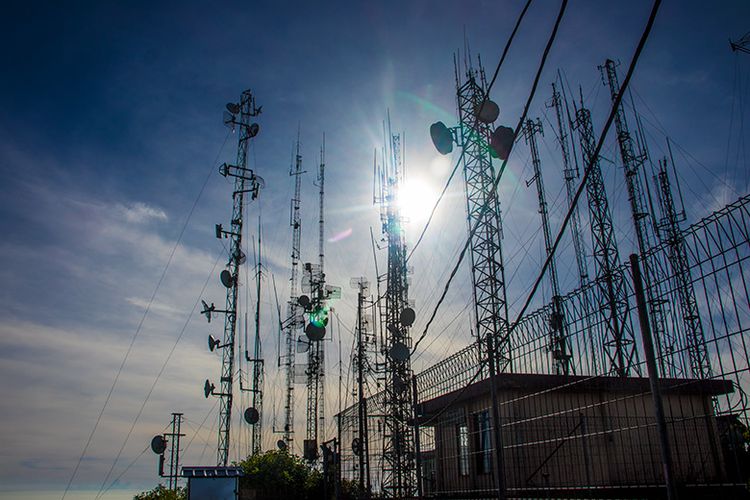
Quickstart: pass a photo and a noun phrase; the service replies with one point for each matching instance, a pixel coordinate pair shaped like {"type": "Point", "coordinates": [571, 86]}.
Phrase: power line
{"type": "Point", "coordinates": [143, 318]}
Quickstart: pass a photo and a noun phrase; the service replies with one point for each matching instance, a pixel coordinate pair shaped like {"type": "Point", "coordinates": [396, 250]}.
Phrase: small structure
{"type": "Point", "coordinates": [570, 435]}
{"type": "Point", "coordinates": [213, 483]}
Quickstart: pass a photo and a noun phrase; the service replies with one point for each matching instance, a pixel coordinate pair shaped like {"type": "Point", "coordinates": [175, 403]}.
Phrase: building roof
{"type": "Point", "coordinates": [530, 383]}
{"type": "Point", "coordinates": [210, 471]}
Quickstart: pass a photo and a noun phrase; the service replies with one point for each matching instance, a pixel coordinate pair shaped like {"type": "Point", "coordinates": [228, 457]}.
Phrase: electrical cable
{"type": "Point", "coordinates": [484, 208]}
{"type": "Point", "coordinates": [143, 318]}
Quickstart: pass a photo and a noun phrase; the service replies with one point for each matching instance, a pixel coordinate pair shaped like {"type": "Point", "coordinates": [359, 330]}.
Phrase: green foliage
{"type": "Point", "coordinates": [162, 493]}
{"type": "Point", "coordinates": [280, 475]}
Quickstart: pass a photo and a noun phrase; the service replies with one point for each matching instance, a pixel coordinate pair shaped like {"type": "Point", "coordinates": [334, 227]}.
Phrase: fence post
{"type": "Point", "coordinates": [653, 376]}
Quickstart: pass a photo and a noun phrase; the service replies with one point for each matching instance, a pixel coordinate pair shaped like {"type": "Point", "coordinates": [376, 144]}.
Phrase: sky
{"type": "Point", "coordinates": [110, 142]}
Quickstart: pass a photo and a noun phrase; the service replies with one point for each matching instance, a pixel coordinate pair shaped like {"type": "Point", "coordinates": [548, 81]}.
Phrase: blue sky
{"type": "Point", "coordinates": [110, 122]}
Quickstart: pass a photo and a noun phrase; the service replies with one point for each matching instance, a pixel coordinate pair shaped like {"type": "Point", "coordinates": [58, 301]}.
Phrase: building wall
{"type": "Point", "coordinates": [580, 439]}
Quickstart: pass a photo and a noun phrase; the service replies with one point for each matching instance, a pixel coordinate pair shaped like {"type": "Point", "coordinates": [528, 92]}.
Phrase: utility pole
{"type": "Point", "coordinates": [617, 342]}
{"type": "Point", "coordinates": [558, 336]}
{"type": "Point", "coordinates": [653, 268]}
{"type": "Point", "coordinates": [399, 478]}
{"type": "Point", "coordinates": [245, 182]}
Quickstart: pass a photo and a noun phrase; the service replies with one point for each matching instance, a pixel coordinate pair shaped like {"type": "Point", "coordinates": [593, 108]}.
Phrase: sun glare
{"type": "Point", "coordinates": [416, 199]}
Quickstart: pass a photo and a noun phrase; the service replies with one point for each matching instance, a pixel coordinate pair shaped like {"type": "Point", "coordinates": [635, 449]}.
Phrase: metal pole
{"type": "Point", "coordinates": [653, 377]}
{"type": "Point", "coordinates": [417, 450]}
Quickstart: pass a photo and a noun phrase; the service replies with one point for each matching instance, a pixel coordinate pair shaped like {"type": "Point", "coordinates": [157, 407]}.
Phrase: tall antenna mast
{"type": "Point", "coordinates": [671, 234]}
{"type": "Point", "coordinates": [558, 337]}
{"type": "Point", "coordinates": [618, 340]}
{"type": "Point", "coordinates": [653, 269]}
{"type": "Point", "coordinates": [571, 175]}
{"type": "Point", "coordinates": [399, 468]}
{"type": "Point", "coordinates": [361, 444]}
{"type": "Point", "coordinates": [316, 306]}
{"type": "Point", "coordinates": [257, 360]}
{"type": "Point", "coordinates": [245, 181]}
{"type": "Point", "coordinates": [294, 320]}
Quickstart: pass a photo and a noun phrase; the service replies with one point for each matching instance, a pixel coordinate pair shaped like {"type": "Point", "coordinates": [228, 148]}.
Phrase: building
{"type": "Point", "coordinates": [571, 435]}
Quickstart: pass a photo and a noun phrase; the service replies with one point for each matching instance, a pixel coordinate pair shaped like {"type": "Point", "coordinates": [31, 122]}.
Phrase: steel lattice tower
{"type": "Point", "coordinates": [618, 340]}
{"type": "Point", "coordinates": [315, 353]}
{"type": "Point", "coordinates": [483, 208]}
{"type": "Point", "coordinates": [293, 322]}
{"type": "Point", "coordinates": [362, 366]}
{"type": "Point", "coordinates": [571, 176]}
{"type": "Point", "coordinates": [399, 467]}
{"type": "Point", "coordinates": [671, 234]}
{"type": "Point", "coordinates": [558, 338]}
{"type": "Point", "coordinates": [245, 181]}
{"type": "Point", "coordinates": [653, 270]}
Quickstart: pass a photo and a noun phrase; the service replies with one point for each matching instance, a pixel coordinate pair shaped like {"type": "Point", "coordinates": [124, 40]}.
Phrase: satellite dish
{"type": "Point", "coordinates": [407, 316]}
{"type": "Point", "coordinates": [487, 112]}
{"type": "Point", "coordinates": [303, 300]}
{"type": "Point", "coordinates": [252, 416]}
{"type": "Point", "coordinates": [226, 279]}
{"type": "Point", "coordinates": [207, 310]}
{"type": "Point", "coordinates": [240, 257]}
{"type": "Point", "coordinates": [356, 446]}
{"type": "Point", "coordinates": [158, 444]}
{"type": "Point", "coordinates": [399, 352]}
{"type": "Point", "coordinates": [315, 332]}
{"type": "Point", "coordinates": [208, 388]}
{"type": "Point", "coordinates": [213, 343]}
{"type": "Point", "coordinates": [441, 138]}
{"type": "Point", "coordinates": [281, 444]}
{"type": "Point", "coordinates": [253, 130]}
{"type": "Point", "coordinates": [224, 171]}
{"type": "Point", "coordinates": [501, 142]}
{"type": "Point", "coordinates": [233, 108]}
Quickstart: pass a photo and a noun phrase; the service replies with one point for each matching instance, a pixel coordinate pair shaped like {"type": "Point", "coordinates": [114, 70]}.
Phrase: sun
{"type": "Point", "coordinates": [415, 199]}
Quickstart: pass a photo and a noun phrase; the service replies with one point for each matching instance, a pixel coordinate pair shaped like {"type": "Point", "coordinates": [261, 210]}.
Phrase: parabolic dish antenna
{"type": "Point", "coordinates": [501, 142]}
{"type": "Point", "coordinates": [399, 352]}
{"type": "Point", "coordinates": [303, 300]}
{"type": "Point", "coordinates": [407, 316]}
{"type": "Point", "coordinates": [158, 444]}
{"type": "Point", "coordinates": [252, 416]}
{"type": "Point", "coordinates": [226, 278]}
{"type": "Point", "coordinates": [208, 388]}
{"type": "Point", "coordinates": [356, 446]}
{"type": "Point", "coordinates": [441, 138]}
{"type": "Point", "coordinates": [253, 130]}
{"type": "Point", "coordinates": [233, 108]}
{"type": "Point", "coordinates": [315, 332]}
{"type": "Point", "coordinates": [213, 343]}
{"type": "Point", "coordinates": [487, 112]}
{"type": "Point", "coordinates": [281, 444]}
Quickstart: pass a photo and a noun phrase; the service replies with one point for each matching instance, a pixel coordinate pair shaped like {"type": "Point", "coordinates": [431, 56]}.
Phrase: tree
{"type": "Point", "coordinates": [280, 475]}
{"type": "Point", "coordinates": [162, 493]}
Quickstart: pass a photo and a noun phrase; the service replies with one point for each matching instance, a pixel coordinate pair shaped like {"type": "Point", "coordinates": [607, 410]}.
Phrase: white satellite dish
{"type": "Point", "coordinates": [399, 352]}
{"type": "Point", "coordinates": [441, 138]}
{"type": "Point", "coordinates": [252, 416]}
{"type": "Point", "coordinates": [501, 142]}
{"type": "Point", "coordinates": [407, 316]}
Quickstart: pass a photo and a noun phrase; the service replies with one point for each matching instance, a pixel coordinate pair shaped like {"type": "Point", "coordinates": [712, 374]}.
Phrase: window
{"type": "Point", "coordinates": [483, 442]}
{"type": "Point", "coordinates": [462, 433]}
